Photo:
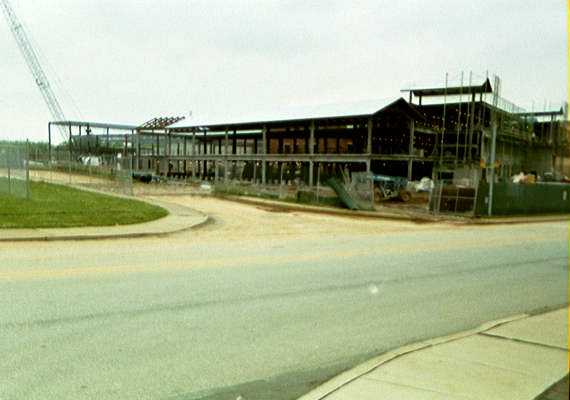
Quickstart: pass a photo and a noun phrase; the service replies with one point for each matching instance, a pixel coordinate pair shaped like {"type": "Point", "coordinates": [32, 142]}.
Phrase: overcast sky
{"type": "Point", "coordinates": [127, 61]}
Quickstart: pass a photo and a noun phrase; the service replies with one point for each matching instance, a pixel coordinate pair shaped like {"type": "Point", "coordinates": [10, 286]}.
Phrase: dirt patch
{"type": "Point", "coordinates": [234, 221]}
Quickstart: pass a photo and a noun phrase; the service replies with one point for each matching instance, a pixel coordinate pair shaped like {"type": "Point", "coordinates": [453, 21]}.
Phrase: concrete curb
{"type": "Point", "coordinates": [519, 220]}
{"type": "Point", "coordinates": [78, 237]}
{"type": "Point", "coordinates": [331, 210]}
{"type": "Point", "coordinates": [146, 229]}
{"type": "Point", "coordinates": [346, 377]}
{"type": "Point", "coordinates": [418, 219]}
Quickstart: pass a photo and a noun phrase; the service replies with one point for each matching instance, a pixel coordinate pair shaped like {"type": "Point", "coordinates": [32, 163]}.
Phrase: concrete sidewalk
{"type": "Point", "coordinates": [179, 219]}
{"type": "Point", "coordinates": [518, 358]}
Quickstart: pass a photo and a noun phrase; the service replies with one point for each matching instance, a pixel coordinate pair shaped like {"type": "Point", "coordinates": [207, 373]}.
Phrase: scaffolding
{"type": "Point", "coordinates": [462, 110]}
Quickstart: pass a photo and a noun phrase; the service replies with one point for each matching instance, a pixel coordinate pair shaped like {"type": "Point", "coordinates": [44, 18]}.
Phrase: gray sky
{"type": "Point", "coordinates": [127, 61]}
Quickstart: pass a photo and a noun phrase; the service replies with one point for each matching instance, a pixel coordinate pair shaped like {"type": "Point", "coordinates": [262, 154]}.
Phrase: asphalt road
{"type": "Point", "coordinates": [258, 304]}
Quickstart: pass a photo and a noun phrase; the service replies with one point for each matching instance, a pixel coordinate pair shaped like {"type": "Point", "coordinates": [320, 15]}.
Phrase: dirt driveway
{"type": "Point", "coordinates": [243, 221]}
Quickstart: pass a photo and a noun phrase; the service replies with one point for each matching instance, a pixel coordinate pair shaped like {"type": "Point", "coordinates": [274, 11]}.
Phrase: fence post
{"type": "Point", "coordinates": [69, 169]}
{"type": "Point", "coordinates": [8, 168]}
{"type": "Point", "coordinates": [255, 172]}
{"type": "Point", "coordinates": [437, 209]}
{"type": "Point", "coordinates": [492, 170]}
{"type": "Point", "coordinates": [371, 188]}
{"type": "Point", "coordinates": [27, 160]}
{"type": "Point", "coordinates": [281, 180]}
{"type": "Point", "coordinates": [130, 177]}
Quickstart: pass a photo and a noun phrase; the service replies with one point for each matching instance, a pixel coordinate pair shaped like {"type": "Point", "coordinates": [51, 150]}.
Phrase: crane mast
{"type": "Point", "coordinates": [33, 63]}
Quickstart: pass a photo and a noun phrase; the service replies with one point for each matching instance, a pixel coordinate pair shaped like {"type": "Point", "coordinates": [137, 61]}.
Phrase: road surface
{"type": "Point", "coordinates": [258, 304]}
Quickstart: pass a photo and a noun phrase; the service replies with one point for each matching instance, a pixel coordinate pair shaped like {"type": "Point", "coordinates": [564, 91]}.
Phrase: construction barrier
{"type": "Point", "coordinates": [513, 199]}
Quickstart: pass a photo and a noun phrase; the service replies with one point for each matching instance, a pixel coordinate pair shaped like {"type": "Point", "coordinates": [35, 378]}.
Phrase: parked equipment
{"type": "Point", "coordinates": [391, 187]}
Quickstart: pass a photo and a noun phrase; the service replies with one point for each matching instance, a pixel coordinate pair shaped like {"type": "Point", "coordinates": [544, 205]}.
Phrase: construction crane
{"type": "Point", "coordinates": [33, 63]}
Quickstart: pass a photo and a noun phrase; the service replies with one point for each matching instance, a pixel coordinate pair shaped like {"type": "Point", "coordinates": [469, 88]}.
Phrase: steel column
{"type": "Point", "coordinates": [311, 151]}
{"type": "Point", "coordinates": [264, 152]}
{"type": "Point", "coordinates": [226, 147]}
{"type": "Point", "coordinates": [411, 149]}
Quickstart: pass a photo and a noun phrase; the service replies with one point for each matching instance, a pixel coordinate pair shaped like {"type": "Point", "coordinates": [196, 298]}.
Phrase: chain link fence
{"type": "Point", "coordinates": [14, 171]}
{"type": "Point", "coordinates": [450, 198]}
{"type": "Point", "coordinates": [360, 186]}
{"type": "Point", "coordinates": [104, 173]}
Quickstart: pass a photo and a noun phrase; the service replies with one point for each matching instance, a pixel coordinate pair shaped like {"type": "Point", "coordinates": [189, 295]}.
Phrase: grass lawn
{"type": "Point", "coordinates": [57, 206]}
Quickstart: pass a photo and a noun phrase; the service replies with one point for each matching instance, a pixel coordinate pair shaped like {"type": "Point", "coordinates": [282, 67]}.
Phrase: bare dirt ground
{"type": "Point", "coordinates": [62, 177]}
{"type": "Point", "coordinates": [234, 221]}
{"type": "Point", "coordinates": [240, 221]}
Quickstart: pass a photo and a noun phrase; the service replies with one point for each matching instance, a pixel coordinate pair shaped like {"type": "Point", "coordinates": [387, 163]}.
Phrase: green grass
{"type": "Point", "coordinates": [57, 206]}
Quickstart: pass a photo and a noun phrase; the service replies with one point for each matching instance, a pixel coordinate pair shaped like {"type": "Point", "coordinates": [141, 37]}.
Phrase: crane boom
{"type": "Point", "coordinates": [33, 63]}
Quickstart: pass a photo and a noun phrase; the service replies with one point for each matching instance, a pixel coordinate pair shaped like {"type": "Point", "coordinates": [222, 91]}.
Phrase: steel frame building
{"type": "Point", "coordinates": [440, 132]}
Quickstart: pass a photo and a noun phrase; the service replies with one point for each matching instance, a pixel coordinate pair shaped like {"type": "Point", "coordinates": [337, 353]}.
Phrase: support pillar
{"type": "Point", "coordinates": [264, 153]}
{"type": "Point", "coordinates": [126, 145]}
{"type": "Point", "coordinates": [139, 152]}
{"type": "Point", "coordinates": [226, 150]}
{"type": "Point", "coordinates": [185, 149]}
{"type": "Point", "coordinates": [87, 133]}
{"type": "Point", "coordinates": [411, 150]}
{"type": "Point", "coordinates": [311, 151]}
{"type": "Point", "coordinates": [157, 146]}
{"type": "Point", "coordinates": [205, 163]}
{"type": "Point", "coordinates": [70, 140]}
{"type": "Point", "coordinates": [255, 172]}
{"type": "Point", "coordinates": [169, 143]}
{"type": "Point", "coordinates": [193, 153]}
{"type": "Point", "coordinates": [168, 151]}
{"type": "Point", "coordinates": [369, 137]}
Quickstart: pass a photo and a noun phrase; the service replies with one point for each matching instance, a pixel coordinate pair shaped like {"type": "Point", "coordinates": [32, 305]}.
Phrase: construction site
{"type": "Point", "coordinates": [441, 147]}
{"type": "Point", "coordinates": [259, 202]}
{"type": "Point", "coordinates": [456, 136]}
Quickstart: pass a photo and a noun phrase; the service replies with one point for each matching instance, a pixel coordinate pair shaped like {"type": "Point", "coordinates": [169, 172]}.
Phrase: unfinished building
{"type": "Point", "coordinates": [440, 132]}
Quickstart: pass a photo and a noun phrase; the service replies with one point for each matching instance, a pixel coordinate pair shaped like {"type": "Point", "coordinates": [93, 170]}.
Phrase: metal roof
{"type": "Point", "coordinates": [427, 90]}
{"type": "Point", "coordinates": [95, 125]}
{"type": "Point", "coordinates": [327, 111]}
{"type": "Point", "coordinates": [241, 132]}
{"type": "Point", "coordinates": [547, 113]}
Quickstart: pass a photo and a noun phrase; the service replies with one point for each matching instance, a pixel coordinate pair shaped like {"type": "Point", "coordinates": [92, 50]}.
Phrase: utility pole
{"type": "Point", "coordinates": [492, 165]}
{"type": "Point", "coordinates": [493, 145]}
